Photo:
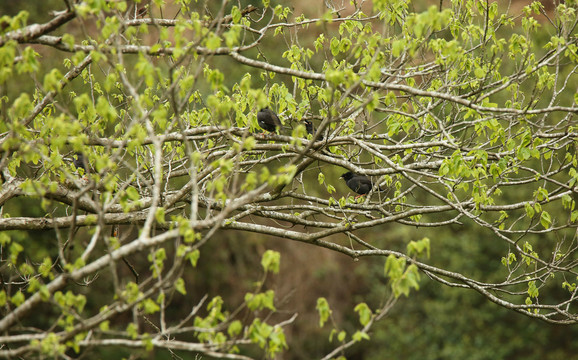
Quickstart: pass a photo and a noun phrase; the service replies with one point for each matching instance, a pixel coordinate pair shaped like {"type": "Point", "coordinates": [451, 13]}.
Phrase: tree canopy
{"type": "Point", "coordinates": [129, 141]}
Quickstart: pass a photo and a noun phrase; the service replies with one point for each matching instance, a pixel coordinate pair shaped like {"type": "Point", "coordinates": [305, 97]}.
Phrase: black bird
{"type": "Point", "coordinates": [79, 162]}
{"type": "Point", "coordinates": [361, 184]}
{"type": "Point", "coordinates": [268, 120]}
{"type": "Point", "coordinates": [310, 129]}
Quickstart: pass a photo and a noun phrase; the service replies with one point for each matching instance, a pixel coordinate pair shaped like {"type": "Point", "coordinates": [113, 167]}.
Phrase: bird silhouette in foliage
{"type": "Point", "coordinates": [268, 120]}
{"type": "Point", "coordinates": [311, 129]}
{"type": "Point", "coordinates": [360, 184]}
{"type": "Point", "coordinates": [79, 161]}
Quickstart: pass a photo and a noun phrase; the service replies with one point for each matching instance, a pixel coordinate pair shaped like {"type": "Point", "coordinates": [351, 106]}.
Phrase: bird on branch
{"type": "Point", "coordinates": [268, 120]}
{"type": "Point", "coordinates": [360, 184]}
{"type": "Point", "coordinates": [311, 129]}
{"type": "Point", "coordinates": [79, 162]}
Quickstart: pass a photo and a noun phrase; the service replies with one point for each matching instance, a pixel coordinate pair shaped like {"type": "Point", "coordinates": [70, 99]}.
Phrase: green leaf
{"type": "Point", "coordinates": [260, 301]}
{"type": "Point", "coordinates": [277, 341]}
{"type": "Point", "coordinates": [364, 313]}
{"type": "Point", "coordinates": [271, 261]}
{"type": "Point", "coordinates": [193, 257]}
{"type": "Point", "coordinates": [235, 14]}
{"type": "Point", "coordinates": [50, 345]}
{"type": "Point", "coordinates": [52, 80]}
{"type": "Point", "coordinates": [335, 77]}
{"type": "Point", "coordinates": [148, 342]}
{"type": "Point", "coordinates": [104, 326]}
{"type": "Point", "coordinates": [567, 202]}
{"type": "Point", "coordinates": [511, 258]}
{"type": "Point", "coordinates": [45, 268]}
{"type": "Point", "coordinates": [565, 284]}
{"type": "Point", "coordinates": [524, 153]}
{"type": "Point", "coordinates": [397, 47]}
{"type": "Point", "coordinates": [532, 289]}
{"type": "Point", "coordinates": [150, 307]}
{"type": "Point", "coordinates": [419, 247]}
{"type": "Point", "coordinates": [3, 298]}
{"type": "Point", "coordinates": [360, 335]}
{"type": "Point", "coordinates": [15, 250]}
{"type": "Point", "coordinates": [541, 194]}
{"type": "Point", "coordinates": [132, 330]}
{"type": "Point", "coordinates": [44, 293]}
{"type": "Point", "coordinates": [180, 286]}
{"type": "Point", "coordinates": [394, 267]}
{"type": "Point", "coordinates": [132, 193]}
{"type": "Point", "coordinates": [529, 210]}
{"type": "Point", "coordinates": [160, 215]}
{"type": "Point", "coordinates": [324, 311]}
{"type": "Point", "coordinates": [545, 220]}
{"type": "Point", "coordinates": [212, 41]}
{"type": "Point", "coordinates": [235, 328]}
{"type": "Point", "coordinates": [4, 239]}
{"type": "Point", "coordinates": [18, 298]}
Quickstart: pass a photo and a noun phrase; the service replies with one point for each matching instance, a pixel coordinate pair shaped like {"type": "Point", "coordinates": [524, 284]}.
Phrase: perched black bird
{"type": "Point", "coordinates": [268, 120]}
{"type": "Point", "coordinates": [310, 129]}
{"type": "Point", "coordinates": [79, 162]}
{"type": "Point", "coordinates": [361, 184]}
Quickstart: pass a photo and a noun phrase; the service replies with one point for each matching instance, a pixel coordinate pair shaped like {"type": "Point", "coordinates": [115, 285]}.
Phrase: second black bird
{"type": "Point", "coordinates": [79, 162]}
{"type": "Point", "coordinates": [268, 120]}
{"type": "Point", "coordinates": [361, 184]}
{"type": "Point", "coordinates": [310, 129]}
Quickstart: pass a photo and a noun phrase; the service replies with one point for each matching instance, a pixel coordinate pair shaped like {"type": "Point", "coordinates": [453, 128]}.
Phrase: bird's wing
{"type": "Point", "coordinates": [364, 180]}
{"type": "Point", "coordinates": [276, 119]}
